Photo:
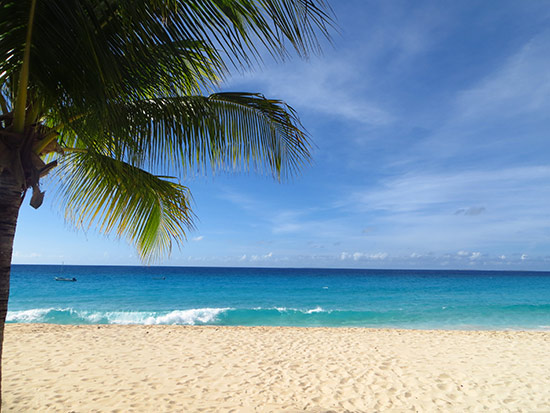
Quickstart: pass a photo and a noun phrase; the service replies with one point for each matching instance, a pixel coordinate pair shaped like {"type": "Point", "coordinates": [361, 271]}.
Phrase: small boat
{"type": "Point", "coordinates": [64, 279]}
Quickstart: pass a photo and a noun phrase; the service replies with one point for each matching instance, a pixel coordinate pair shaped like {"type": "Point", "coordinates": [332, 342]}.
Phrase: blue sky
{"type": "Point", "coordinates": [431, 124]}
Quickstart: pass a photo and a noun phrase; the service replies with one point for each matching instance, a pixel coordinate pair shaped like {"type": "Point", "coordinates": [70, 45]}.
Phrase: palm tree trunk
{"type": "Point", "coordinates": [10, 201]}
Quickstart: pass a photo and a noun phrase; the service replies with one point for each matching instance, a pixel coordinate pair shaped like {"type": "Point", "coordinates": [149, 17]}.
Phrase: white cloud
{"type": "Point", "coordinates": [496, 116]}
{"type": "Point", "coordinates": [288, 221]}
{"type": "Point", "coordinates": [358, 256]}
{"type": "Point", "coordinates": [261, 257]}
{"type": "Point", "coordinates": [418, 210]}
{"type": "Point", "coordinates": [199, 238]}
{"type": "Point", "coordinates": [475, 255]}
{"type": "Point", "coordinates": [240, 199]}
{"type": "Point", "coordinates": [331, 87]}
{"type": "Point", "coordinates": [472, 256]}
{"type": "Point", "coordinates": [520, 86]}
{"type": "Point", "coordinates": [412, 192]}
{"type": "Point", "coordinates": [378, 256]}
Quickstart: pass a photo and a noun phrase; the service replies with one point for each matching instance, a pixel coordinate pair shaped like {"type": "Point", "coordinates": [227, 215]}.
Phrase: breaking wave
{"type": "Point", "coordinates": [71, 316]}
{"type": "Point", "coordinates": [442, 317]}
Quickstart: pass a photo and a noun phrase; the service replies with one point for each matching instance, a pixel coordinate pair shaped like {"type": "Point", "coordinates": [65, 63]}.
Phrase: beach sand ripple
{"type": "Point", "coordinates": [110, 368]}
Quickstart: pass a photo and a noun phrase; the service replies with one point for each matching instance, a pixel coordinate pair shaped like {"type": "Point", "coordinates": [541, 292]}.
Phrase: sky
{"type": "Point", "coordinates": [430, 122]}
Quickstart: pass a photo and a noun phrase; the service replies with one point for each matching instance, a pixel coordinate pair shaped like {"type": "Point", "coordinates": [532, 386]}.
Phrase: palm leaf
{"type": "Point", "coordinates": [224, 130]}
{"type": "Point", "coordinates": [150, 211]}
{"type": "Point", "coordinates": [88, 52]}
{"type": "Point", "coordinates": [120, 82]}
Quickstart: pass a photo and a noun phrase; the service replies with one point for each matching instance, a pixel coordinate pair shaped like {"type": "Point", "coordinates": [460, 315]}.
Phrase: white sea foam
{"type": "Point", "coordinates": [29, 316]}
{"type": "Point", "coordinates": [187, 317]}
{"type": "Point", "coordinates": [297, 310]}
{"type": "Point", "coordinates": [315, 310]}
{"type": "Point", "coordinates": [190, 317]}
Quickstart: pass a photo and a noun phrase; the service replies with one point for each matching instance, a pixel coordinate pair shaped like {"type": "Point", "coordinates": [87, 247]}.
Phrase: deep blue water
{"type": "Point", "coordinates": [283, 297]}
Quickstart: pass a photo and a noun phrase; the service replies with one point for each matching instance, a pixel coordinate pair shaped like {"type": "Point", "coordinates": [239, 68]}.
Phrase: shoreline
{"type": "Point", "coordinates": [545, 329]}
{"type": "Point", "coordinates": [137, 368]}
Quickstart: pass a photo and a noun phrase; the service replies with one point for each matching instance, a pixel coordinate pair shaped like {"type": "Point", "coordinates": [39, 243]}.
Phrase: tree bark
{"type": "Point", "coordinates": [10, 202]}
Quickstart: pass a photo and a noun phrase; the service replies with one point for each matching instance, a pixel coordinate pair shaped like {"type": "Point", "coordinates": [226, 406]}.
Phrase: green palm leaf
{"type": "Point", "coordinates": [110, 92]}
{"type": "Point", "coordinates": [87, 52]}
{"type": "Point", "coordinates": [224, 130]}
{"type": "Point", "coordinates": [150, 211]}
{"type": "Point", "coordinates": [101, 179]}
{"type": "Point", "coordinates": [118, 84]}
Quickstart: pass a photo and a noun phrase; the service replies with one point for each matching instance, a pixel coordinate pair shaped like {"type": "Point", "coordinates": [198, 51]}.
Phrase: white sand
{"type": "Point", "coordinates": [210, 369]}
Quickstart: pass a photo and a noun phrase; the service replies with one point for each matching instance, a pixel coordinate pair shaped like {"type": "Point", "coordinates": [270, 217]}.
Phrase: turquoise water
{"type": "Point", "coordinates": [281, 297]}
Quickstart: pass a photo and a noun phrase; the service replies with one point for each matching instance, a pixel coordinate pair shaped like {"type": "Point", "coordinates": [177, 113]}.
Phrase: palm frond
{"type": "Point", "coordinates": [86, 53]}
{"type": "Point", "coordinates": [84, 56]}
{"type": "Point", "coordinates": [117, 79]}
{"type": "Point", "coordinates": [223, 130]}
{"type": "Point", "coordinates": [150, 211]}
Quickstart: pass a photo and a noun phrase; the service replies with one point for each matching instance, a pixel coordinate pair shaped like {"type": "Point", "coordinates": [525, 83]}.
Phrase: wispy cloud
{"type": "Point", "coordinates": [241, 199]}
{"type": "Point", "coordinates": [520, 87]}
{"type": "Point", "coordinates": [332, 88]}
{"type": "Point", "coordinates": [420, 193]}
{"type": "Point", "coordinates": [496, 119]}
{"type": "Point", "coordinates": [472, 211]}
{"type": "Point", "coordinates": [261, 257]}
{"type": "Point", "coordinates": [363, 256]}
{"type": "Point", "coordinates": [428, 210]}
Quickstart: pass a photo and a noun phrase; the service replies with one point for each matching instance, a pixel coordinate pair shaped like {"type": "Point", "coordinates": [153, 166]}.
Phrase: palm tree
{"type": "Point", "coordinates": [108, 98]}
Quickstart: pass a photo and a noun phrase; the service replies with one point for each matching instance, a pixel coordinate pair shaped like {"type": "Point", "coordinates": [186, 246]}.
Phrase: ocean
{"type": "Point", "coordinates": [413, 299]}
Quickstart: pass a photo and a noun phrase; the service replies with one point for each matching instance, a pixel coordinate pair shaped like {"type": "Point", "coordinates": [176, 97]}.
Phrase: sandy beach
{"type": "Point", "coordinates": [53, 368]}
